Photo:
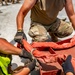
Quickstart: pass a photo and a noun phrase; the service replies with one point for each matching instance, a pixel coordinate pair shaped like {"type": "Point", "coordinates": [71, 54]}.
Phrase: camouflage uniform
{"type": "Point", "coordinates": [44, 19]}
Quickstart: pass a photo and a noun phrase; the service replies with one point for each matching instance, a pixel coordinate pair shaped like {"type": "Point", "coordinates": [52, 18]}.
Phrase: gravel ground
{"type": "Point", "coordinates": [8, 24]}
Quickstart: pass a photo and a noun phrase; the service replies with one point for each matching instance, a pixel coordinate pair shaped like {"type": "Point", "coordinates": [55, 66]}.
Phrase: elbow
{"type": "Point", "coordinates": [21, 14]}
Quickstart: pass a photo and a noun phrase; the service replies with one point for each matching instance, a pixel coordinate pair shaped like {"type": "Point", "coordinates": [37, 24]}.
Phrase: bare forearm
{"type": "Point", "coordinates": [7, 48]}
{"type": "Point", "coordinates": [20, 21]}
{"type": "Point", "coordinates": [69, 73]}
{"type": "Point", "coordinates": [20, 17]}
{"type": "Point", "coordinates": [70, 12]}
{"type": "Point", "coordinates": [72, 19]}
{"type": "Point", "coordinates": [27, 5]}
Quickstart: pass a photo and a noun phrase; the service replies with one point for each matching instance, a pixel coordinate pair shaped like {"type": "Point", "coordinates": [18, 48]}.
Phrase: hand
{"type": "Point", "coordinates": [26, 54]}
{"type": "Point", "coordinates": [67, 65]}
{"type": "Point", "coordinates": [19, 36]}
{"type": "Point", "coordinates": [32, 65]}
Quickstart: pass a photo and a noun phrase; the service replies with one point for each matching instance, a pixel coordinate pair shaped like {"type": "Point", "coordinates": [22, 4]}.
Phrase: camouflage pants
{"type": "Point", "coordinates": [60, 28]}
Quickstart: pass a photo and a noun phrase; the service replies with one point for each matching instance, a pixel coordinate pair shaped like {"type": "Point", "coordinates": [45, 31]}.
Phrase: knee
{"type": "Point", "coordinates": [68, 32]}
{"type": "Point", "coordinates": [37, 37]}
{"type": "Point", "coordinates": [40, 38]}
{"type": "Point", "coordinates": [64, 30]}
{"type": "Point", "coordinates": [71, 30]}
{"type": "Point", "coordinates": [65, 33]}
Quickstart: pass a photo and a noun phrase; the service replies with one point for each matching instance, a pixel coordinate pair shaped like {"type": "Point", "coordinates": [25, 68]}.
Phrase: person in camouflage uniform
{"type": "Point", "coordinates": [44, 19]}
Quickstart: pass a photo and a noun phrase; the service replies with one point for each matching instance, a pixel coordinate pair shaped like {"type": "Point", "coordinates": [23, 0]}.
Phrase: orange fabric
{"type": "Point", "coordinates": [55, 45]}
{"type": "Point", "coordinates": [43, 51]}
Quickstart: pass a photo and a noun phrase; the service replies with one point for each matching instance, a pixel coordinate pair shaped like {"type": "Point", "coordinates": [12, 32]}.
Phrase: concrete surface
{"type": "Point", "coordinates": [8, 24]}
